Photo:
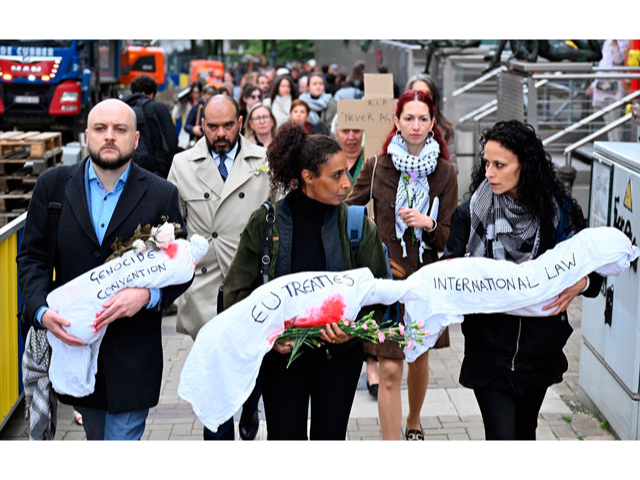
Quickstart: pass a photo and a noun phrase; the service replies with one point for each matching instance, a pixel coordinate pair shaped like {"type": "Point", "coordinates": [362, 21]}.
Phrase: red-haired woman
{"type": "Point", "coordinates": [412, 171]}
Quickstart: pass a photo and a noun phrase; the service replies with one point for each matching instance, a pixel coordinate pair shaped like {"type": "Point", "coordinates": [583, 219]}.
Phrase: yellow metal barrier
{"type": "Point", "coordinates": [10, 391]}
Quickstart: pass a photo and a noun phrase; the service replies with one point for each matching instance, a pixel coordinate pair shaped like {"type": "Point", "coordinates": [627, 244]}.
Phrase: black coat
{"type": "Point", "coordinates": [162, 128]}
{"type": "Point", "coordinates": [506, 351]}
{"type": "Point", "coordinates": [130, 360]}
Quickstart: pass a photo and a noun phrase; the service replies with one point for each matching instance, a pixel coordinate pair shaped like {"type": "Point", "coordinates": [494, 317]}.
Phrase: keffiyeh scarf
{"type": "Point", "coordinates": [41, 402]}
{"type": "Point", "coordinates": [499, 219]}
{"type": "Point", "coordinates": [317, 105]}
{"type": "Point", "coordinates": [413, 187]}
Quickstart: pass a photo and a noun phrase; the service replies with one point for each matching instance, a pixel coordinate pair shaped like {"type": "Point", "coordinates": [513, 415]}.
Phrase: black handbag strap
{"type": "Point", "coordinates": [54, 209]}
{"type": "Point", "coordinates": [265, 259]}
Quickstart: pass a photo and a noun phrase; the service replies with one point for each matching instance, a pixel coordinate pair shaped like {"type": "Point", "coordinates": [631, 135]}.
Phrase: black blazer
{"type": "Point", "coordinates": [130, 360]}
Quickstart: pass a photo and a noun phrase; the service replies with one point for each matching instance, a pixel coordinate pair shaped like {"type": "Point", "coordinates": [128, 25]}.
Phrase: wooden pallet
{"type": "Point", "coordinates": [14, 203]}
{"type": "Point", "coordinates": [8, 166]}
{"type": "Point", "coordinates": [24, 156]}
{"type": "Point", "coordinates": [39, 143]}
{"type": "Point", "coordinates": [22, 180]}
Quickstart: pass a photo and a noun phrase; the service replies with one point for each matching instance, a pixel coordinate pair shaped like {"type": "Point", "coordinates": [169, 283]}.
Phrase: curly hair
{"type": "Point", "coordinates": [539, 188]}
{"type": "Point", "coordinates": [292, 151]}
{"type": "Point", "coordinates": [144, 84]}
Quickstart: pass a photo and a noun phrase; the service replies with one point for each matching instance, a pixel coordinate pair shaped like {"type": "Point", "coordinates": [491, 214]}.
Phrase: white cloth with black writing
{"type": "Point", "coordinates": [460, 286]}
{"type": "Point", "coordinates": [222, 367]}
{"type": "Point", "coordinates": [73, 369]}
{"type": "Point", "coordinates": [224, 361]}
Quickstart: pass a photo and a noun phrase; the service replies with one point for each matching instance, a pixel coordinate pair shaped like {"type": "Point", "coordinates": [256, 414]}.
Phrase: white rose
{"type": "Point", "coordinates": [139, 246]}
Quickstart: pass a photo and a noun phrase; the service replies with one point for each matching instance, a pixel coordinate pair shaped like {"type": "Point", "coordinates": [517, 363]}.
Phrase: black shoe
{"type": "Point", "coordinates": [249, 426]}
{"type": "Point", "coordinates": [373, 389]}
{"type": "Point", "coordinates": [413, 435]}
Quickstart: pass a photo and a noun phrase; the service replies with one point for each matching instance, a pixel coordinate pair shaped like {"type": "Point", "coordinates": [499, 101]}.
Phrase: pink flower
{"type": "Point", "coordinates": [381, 337]}
{"type": "Point", "coordinates": [410, 344]}
{"type": "Point", "coordinates": [165, 235]}
{"type": "Point", "coordinates": [364, 327]}
{"type": "Point", "coordinates": [401, 328]}
{"type": "Point", "coordinates": [420, 325]}
{"type": "Point", "coordinates": [391, 333]}
{"type": "Point", "coordinates": [345, 323]}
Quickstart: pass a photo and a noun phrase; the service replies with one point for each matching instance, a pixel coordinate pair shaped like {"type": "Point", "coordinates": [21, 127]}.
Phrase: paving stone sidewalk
{"type": "Point", "coordinates": [450, 411]}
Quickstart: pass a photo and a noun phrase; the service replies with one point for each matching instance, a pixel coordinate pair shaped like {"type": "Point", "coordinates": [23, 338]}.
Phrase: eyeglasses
{"type": "Point", "coordinates": [255, 97]}
{"type": "Point", "coordinates": [261, 119]}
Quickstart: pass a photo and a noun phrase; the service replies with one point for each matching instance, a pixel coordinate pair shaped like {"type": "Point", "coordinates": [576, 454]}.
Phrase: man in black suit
{"type": "Point", "coordinates": [106, 196]}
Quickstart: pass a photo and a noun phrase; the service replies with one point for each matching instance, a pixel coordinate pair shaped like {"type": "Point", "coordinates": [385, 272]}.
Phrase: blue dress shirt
{"type": "Point", "coordinates": [101, 205]}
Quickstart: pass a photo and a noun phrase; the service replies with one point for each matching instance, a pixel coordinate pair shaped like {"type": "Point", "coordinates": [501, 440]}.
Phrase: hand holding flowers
{"type": "Point", "coordinates": [366, 329]}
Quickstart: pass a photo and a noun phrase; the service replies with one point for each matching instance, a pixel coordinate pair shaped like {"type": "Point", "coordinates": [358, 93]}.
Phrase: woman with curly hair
{"type": "Point", "coordinates": [309, 234]}
{"type": "Point", "coordinates": [516, 209]}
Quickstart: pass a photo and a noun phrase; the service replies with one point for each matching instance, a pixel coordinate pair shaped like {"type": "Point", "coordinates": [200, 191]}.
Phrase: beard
{"type": "Point", "coordinates": [220, 149]}
{"type": "Point", "coordinates": [110, 164]}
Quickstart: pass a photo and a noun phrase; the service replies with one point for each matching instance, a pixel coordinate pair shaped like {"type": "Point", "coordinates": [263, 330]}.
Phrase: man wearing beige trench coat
{"type": "Point", "coordinates": [215, 208]}
{"type": "Point", "coordinates": [220, 184]}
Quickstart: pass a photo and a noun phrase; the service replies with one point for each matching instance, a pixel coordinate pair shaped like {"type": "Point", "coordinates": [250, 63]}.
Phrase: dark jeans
{"type": "Point", "coordinates": [226, 431]}
{"type": "Point", "coordinates": [508, 417]}
{"type": "Point", "coordinates": [330, 384]}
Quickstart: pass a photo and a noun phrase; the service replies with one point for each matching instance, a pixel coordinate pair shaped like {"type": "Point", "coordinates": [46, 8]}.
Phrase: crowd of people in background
{"type": "Point", "coordinates": [306, 93]}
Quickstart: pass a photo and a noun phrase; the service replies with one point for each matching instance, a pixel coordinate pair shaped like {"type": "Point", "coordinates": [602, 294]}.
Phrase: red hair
{"type": "Point", "coordinates": [416, 95]}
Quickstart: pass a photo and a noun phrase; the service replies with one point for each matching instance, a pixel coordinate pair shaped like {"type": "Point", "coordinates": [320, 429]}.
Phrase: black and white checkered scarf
{"type": "Point", "coordinates": [499, 219]}
{"type": "Point", "coordinates": [418, 168]}
{"type": "Point", "coordinates": [41, 402]}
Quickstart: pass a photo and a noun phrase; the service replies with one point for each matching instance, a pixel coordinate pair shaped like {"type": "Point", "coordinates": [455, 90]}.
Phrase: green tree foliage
{"type": "Point", "coordinates": [286, 50]}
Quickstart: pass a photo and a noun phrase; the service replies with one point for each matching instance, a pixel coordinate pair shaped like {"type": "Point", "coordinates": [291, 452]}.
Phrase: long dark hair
{"type": "Point", "coordinates": [539, 189]}
{"type": "Point", "coordinates": [276, 86]}
{"type": "Point", "coordinates": [247, 90]}
{"type": "Point", "coordinates": [293, 150]}
{"type": "Point", "coordinates": [410, 96]}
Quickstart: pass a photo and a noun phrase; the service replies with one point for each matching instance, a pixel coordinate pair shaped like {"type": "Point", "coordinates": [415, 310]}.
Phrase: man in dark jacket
{"type": "Point", "coordinates": [104, 197]}
{"type": "Point", "coordinates": [163, 140]}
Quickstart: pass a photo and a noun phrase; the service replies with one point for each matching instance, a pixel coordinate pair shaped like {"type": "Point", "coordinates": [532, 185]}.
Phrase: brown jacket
{"type": "Point", "coordinates": [443, 183]}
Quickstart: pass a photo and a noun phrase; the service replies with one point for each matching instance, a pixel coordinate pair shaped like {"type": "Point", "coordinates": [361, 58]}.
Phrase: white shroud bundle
{"type": "Point", "coordinates": [73, 369]}
{"type": "Point", "coordinates": [222, 367]}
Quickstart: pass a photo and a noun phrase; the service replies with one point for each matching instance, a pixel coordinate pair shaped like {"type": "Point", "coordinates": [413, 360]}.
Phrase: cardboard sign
{"type": "Point", "coordinates": [373, 114]}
